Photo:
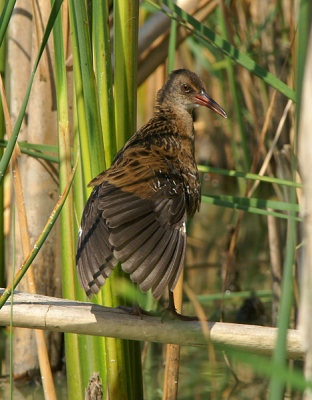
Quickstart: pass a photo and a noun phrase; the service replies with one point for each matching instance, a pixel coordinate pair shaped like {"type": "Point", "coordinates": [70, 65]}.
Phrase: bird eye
{"type": "Point", "coordinates": [185, 88]}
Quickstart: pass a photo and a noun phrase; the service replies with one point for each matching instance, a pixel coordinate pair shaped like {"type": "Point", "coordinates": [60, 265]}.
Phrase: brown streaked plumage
{"type": "Point", "coordinates": [137, 211]}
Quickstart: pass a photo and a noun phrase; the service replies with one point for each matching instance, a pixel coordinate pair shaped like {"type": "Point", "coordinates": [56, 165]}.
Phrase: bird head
{"type": "Point", "coordinates": [184, 90]}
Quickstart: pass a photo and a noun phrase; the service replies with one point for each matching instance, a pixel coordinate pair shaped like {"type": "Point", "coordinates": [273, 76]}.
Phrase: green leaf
{"type": "Point", "coordinates": [230, 51]}
{"type": "Point", "coordinates": [239, 206]}
{"type": "Point", "coordinates": [258, 203]}
{"type": "Point", "coordinates": [247, 175]}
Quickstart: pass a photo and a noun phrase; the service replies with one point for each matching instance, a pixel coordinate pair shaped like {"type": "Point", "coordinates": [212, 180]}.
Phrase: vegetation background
{"type": "Point", "coordinates": [245, 248]}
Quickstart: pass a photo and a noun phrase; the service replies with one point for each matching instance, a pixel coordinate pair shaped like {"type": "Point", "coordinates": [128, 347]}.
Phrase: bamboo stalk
{"type": "Point", "coordinates": [51, 313]}
{"type": "Point", "coordinates": [81, 39]}
{"type": "Point", "coordinates": [91, 350]}
{"type": "Point", "coordinates": [104, 77]}
{"type": "Point", "coordinates": [125, 52]}
{"type": "Point", "coordinates": [45, 368]}
{"type": "Point", "coordinates": [305, 138]}
{"type": "Point", "coordinates": [170, 391]}
{"type": "Point", "coordinates": [126, 15]}
{"type": "Point", "coordinates": [211, 351]}
{"type": "Point", "coordinates": [2, 133]}
{"type": "Point", "coordinates": [85, 344]}
{"type": "Point", "coordinates": [276, 258]}
{"type": "Point", "coordinates": [74, 379]}
{"type": "Point", "coordinates": [11, 144]}
{"type": "Point", "coordinates": [171, 380]}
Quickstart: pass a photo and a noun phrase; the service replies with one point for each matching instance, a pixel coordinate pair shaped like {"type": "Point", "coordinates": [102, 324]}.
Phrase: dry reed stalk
{"type": "Point", "coordinates": [171, 379]}
{"type": "Point", "coordinates": [305, 143]}
{"type": "Point", "coordinates": [248, 191]}
{"type": "Point", "coordinates": [60, 315]}
{"type": "Point", "coordinates": [45, 368]}
{"type": "Point", "coordinates": [157, 52]}
{"type": "Point", "coordinates": [206, 332]}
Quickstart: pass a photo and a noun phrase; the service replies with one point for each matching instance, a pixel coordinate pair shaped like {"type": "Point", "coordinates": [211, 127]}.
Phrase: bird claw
{"type": "Point", "coordinates": [135, 310]}
{"type": "Point", "coordinates": [167, 313]}
{"type": "Point", "coordinates": [175, 315]}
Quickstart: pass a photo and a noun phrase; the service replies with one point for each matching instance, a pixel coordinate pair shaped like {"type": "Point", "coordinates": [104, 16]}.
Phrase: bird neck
{"type": "Point", "coordinates": [180, 117]}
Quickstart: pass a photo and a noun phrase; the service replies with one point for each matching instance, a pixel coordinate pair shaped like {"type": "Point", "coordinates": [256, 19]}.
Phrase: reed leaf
{"type": "Point", "coordinates": [259, 203]}
{"type": "Point", "coordinates": [12, 295]}
{"type": "Point", "coordinates": [172, 45]}
{"type": "Point", "coordinates": [7, 11]}
{"type": "Point", "coordinates": [240, 206]}
{"type": "Point", "coordinates": [247, 175]}
{"type": "Point", "coordinates": [236, 108]}
{"type": "Point", "coordinates": [32, 146]}
{"type": "Point", "coordinates": [279, 356]}
{"type": "Point", "coordinates": [230, 51]}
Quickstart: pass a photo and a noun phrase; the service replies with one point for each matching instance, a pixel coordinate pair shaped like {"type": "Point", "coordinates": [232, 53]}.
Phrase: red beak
{"type": "Point", "coordinates": [204, 100]}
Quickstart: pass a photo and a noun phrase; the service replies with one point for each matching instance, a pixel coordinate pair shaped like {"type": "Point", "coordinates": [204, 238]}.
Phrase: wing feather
{"type": "Point", "coordinates": [142, 270]}
{"type": "Point", "coordinates": [144, 257]}
{"type": "Point", "coordinates": [123, 233]}
{"type": "Point", "coordinates": [129, 215]}
{"type": "Point", "coordinates": [133, 245]}
{"type": "Point", "coordinates": [135, 216]}
{"type": "Point", "coordinates": [163, 263]}
{"type": "Point", "coordinates": [94, 257]}
{"type": "Point", "coordinates": [174, 267]}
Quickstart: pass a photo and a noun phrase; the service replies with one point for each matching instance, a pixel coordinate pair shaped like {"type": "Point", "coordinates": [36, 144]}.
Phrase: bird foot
{"type": "Point", "coordinates": [172, 313]}
{"type": "Point", "coordinates": [135, 310]}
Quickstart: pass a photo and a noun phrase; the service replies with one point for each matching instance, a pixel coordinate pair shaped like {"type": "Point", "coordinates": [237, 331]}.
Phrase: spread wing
{"type": "Point", "coordinates": [135, 215]}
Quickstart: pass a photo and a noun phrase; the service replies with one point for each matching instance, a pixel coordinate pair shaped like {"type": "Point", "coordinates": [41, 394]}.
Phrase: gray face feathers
{"type": "Point", "coordinates": [184, 90]}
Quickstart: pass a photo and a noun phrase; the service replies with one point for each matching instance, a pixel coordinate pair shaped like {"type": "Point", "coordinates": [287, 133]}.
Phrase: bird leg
{"type": "Point", "coordinates": [135, 309]}
{"type": "Point", "coordinates": [172, 310]}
